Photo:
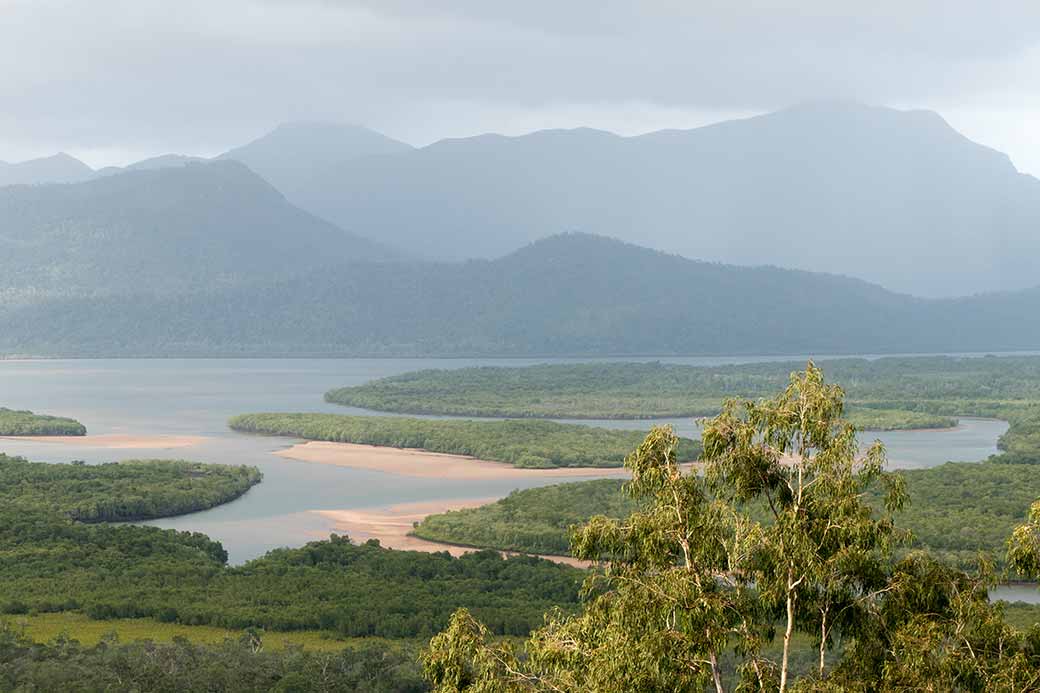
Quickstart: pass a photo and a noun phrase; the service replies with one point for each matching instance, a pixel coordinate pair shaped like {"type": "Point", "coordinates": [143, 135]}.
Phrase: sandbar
{"type": "Point", "coordinates": [391, 526]}
{"type": "Point", "coordinates": [117, 441]}
{"type": "Point", "coordinates": [421, 463]}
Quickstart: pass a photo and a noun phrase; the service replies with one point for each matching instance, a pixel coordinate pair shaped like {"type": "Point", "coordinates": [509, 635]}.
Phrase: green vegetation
{"type": "Point", "coordinates": [533, 444]}
{"type": "Point", "coordinates": [535, 520]}
{"type": "Point", "coordinates": [50, 562]}
{"type": "Point", "coordinates": [15, 422]}
{"type": "Point", "coordinates": [46, 627]}
{"type": "Point", "coordinates": [657, 390]}
{"type": "Point", "coordinates": [712, 578]}
{"type": "Point", "coordinates": [120, 491]}
{"type": "Point", "coordinates": [228, 293]}
{"type": "Point", "coordinates": [883, 393]}
{"type": "Point", "coordinates": [243, 664]}
{"type": "Point", "coordinates": [956, 510]}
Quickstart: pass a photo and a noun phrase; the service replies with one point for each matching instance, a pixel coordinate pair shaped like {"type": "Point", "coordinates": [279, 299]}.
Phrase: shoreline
{"type": "Point", "coordinates": [392, 526]}
{"type": "Point", "coordinates": [422, 463]}
{"type": "Point", "coordinates": [117, 441]}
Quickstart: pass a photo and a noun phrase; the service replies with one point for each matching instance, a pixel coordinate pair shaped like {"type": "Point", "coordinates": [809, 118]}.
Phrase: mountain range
{"type": "Point", "coordinates": [894, 197]}
{"type": "Point", "coordinates": [898, 198]}
{"type": "Point", "coordinates": [570, 294]}
{"type": "Point", "coordinates": [184, 229]}
{"type": "Point", "coordinates": [60, 168]}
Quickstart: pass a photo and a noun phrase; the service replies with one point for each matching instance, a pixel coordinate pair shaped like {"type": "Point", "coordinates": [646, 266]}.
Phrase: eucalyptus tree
{"type": "Point", "coordinates": [773, 529]}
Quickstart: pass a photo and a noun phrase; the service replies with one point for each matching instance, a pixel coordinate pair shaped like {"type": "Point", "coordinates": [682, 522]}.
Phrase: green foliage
{"type": "Point", "coordinates": [242, 286]}
{"type": "Point", "coordinates": [536, 444]}
{"type": "Point", "coordinates": [334, 585]}
{"type": "Point", "coordinates": [776, 538]}
{"type": "Point", "coordinates": [956, 511]}
{"type": "Point", "coordinates": [15, 422]}
{"type": "Point", "coordinates": [654, 390]}
{"type": "Point", "coordinates": [887, 393]}
{"type": "Point", "coordinates": [51, 562]}
{"type": "Point", "coordinates": [234, 666]}
{"type": "Point", "coordinates": [535, 520]}
{"type": "Point", "coordinates": [130, 490]}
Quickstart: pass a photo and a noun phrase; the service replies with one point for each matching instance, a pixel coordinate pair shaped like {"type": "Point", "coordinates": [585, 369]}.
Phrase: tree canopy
{"type": "Point", "coordinates": [697, 592]}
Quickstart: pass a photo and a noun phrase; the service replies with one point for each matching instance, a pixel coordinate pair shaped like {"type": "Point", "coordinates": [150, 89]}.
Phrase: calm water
{"type": "Point", "coordinates": [196, 397]}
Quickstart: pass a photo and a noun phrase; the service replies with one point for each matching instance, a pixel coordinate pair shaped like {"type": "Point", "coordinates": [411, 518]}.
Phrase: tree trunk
{"type": "Point", "coordinates": [788, 630]}
{"type": "Point", "coordinates": [716, 674]}
{"type": "Point", "coordinates": [823, 638]}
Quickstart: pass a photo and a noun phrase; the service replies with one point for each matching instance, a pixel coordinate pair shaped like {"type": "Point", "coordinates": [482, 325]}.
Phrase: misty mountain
{"type": "Point", "coordinates": [895, 197]}
{"type": "Point", "coordinates": [60, 168]}
{"type": "Point", "coordinates": [571, 294]}
{"type": "Point", "coordinates": [292, 155]}
{"type": "Point", "coordinates": [190, 228]}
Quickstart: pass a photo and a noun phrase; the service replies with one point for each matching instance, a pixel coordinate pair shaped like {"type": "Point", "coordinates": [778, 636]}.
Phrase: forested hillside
{"type": "Point", "coordinates": [183, 230]}
{"type": "Point", "coordinates": [572, 294]}
{"type": "Point", "coordinates": [840, 187]}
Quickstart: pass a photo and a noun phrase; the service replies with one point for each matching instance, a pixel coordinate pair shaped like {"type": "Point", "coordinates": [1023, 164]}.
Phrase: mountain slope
{"type": "Point", "coordinates": [60, 168]}
{"type": "Point", "coordinates": [568, 295]}
{"type": "Point", "coordinates": [293, 153]}
{"type": "Point", "coordinates": [895, 197]}
{"type": "Point", "coordinates": [185, 229]}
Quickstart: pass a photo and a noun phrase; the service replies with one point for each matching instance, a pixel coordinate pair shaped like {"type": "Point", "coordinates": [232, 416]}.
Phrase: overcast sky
{"type": "Point", "coordinates": [113, 81]}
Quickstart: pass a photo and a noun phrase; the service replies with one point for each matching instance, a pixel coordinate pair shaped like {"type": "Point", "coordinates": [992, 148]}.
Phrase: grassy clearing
{"type": "Point", "coordinates": [46, 627]}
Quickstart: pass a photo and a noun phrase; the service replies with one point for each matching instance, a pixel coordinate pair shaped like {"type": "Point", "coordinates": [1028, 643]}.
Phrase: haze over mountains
{"type": "Point", "coordinates": [898, 198]}
{"type": "Point", "coordinates": [894, 197]}
{"type": "Point", "coordinates": [358, 248]}
{"type": "Point", "coordinates": [295, 155]}
{"type": "Point", "coordinates": [60, 168]}
{"type": "Point", "coordinates": [196, 227]}
{"type": "Point", "coordinates": [572, 294]}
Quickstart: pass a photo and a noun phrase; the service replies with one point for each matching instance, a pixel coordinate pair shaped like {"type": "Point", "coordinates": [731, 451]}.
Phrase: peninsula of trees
{"type": "Point", "coordinates": [14, 422]}
{"type": "Point", "coordinates": [532, 444]}
{"type": "Point", "coordinates": [878, 390]}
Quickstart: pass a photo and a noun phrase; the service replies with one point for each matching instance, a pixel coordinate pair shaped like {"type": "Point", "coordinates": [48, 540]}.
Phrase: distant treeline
{"type": "Point", "coordinates": [653, 390]}
{"type": "Point", "coordinates": [51, 562]}
{"type": "Point", "coordinates": [15, 422]}
{"type": "Point", "coordinates": [956, 511]}
{"type": "Point", "coordinates": [886, 393]}
{"type": "Point", "coordinates": [533, 444]}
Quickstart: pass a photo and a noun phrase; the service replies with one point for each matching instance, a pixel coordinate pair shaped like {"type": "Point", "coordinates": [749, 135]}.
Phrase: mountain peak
{"type": "Point", "coordinates": [293, 152]}
{"type": "Point", "coordinates": [57, 168]}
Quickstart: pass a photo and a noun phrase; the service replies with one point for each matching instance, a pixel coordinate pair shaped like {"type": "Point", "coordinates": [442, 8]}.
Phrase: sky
{"type": "Point", "coordinates": [114, 81]}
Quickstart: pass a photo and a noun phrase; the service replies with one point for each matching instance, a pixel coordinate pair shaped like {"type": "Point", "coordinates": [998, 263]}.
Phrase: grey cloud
{"type": "Point", "coordinates": [199, 76]}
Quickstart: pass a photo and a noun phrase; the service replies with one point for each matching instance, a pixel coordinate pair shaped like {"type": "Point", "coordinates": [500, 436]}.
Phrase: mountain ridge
{"type": "Point", "coordinates": [174, 229]}
{"type": "Point", "coordinates": [568, 295]}
{"type": "Point", "coordinates": [810, 187]}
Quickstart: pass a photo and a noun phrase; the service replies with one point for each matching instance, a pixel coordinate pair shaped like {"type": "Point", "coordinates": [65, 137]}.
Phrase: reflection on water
{"type": "Point", "coordinates": [197, 396]}
{"type": "Point", "coordinates": [1019, 592]}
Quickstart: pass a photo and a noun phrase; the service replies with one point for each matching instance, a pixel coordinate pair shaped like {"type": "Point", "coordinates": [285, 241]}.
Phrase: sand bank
{"type": "Point", "coordinates": [391, 526]}
{"type": "Point", "coordinates": [117, 441]}
{"type": "Point", "coordinates": [421, 463]}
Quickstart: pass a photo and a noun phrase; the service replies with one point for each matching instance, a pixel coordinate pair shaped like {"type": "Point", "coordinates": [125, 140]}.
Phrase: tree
{"type": "Point", "coordinates": [774, 534]}
{"type": "Point", "coordinates": [775, 530]}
